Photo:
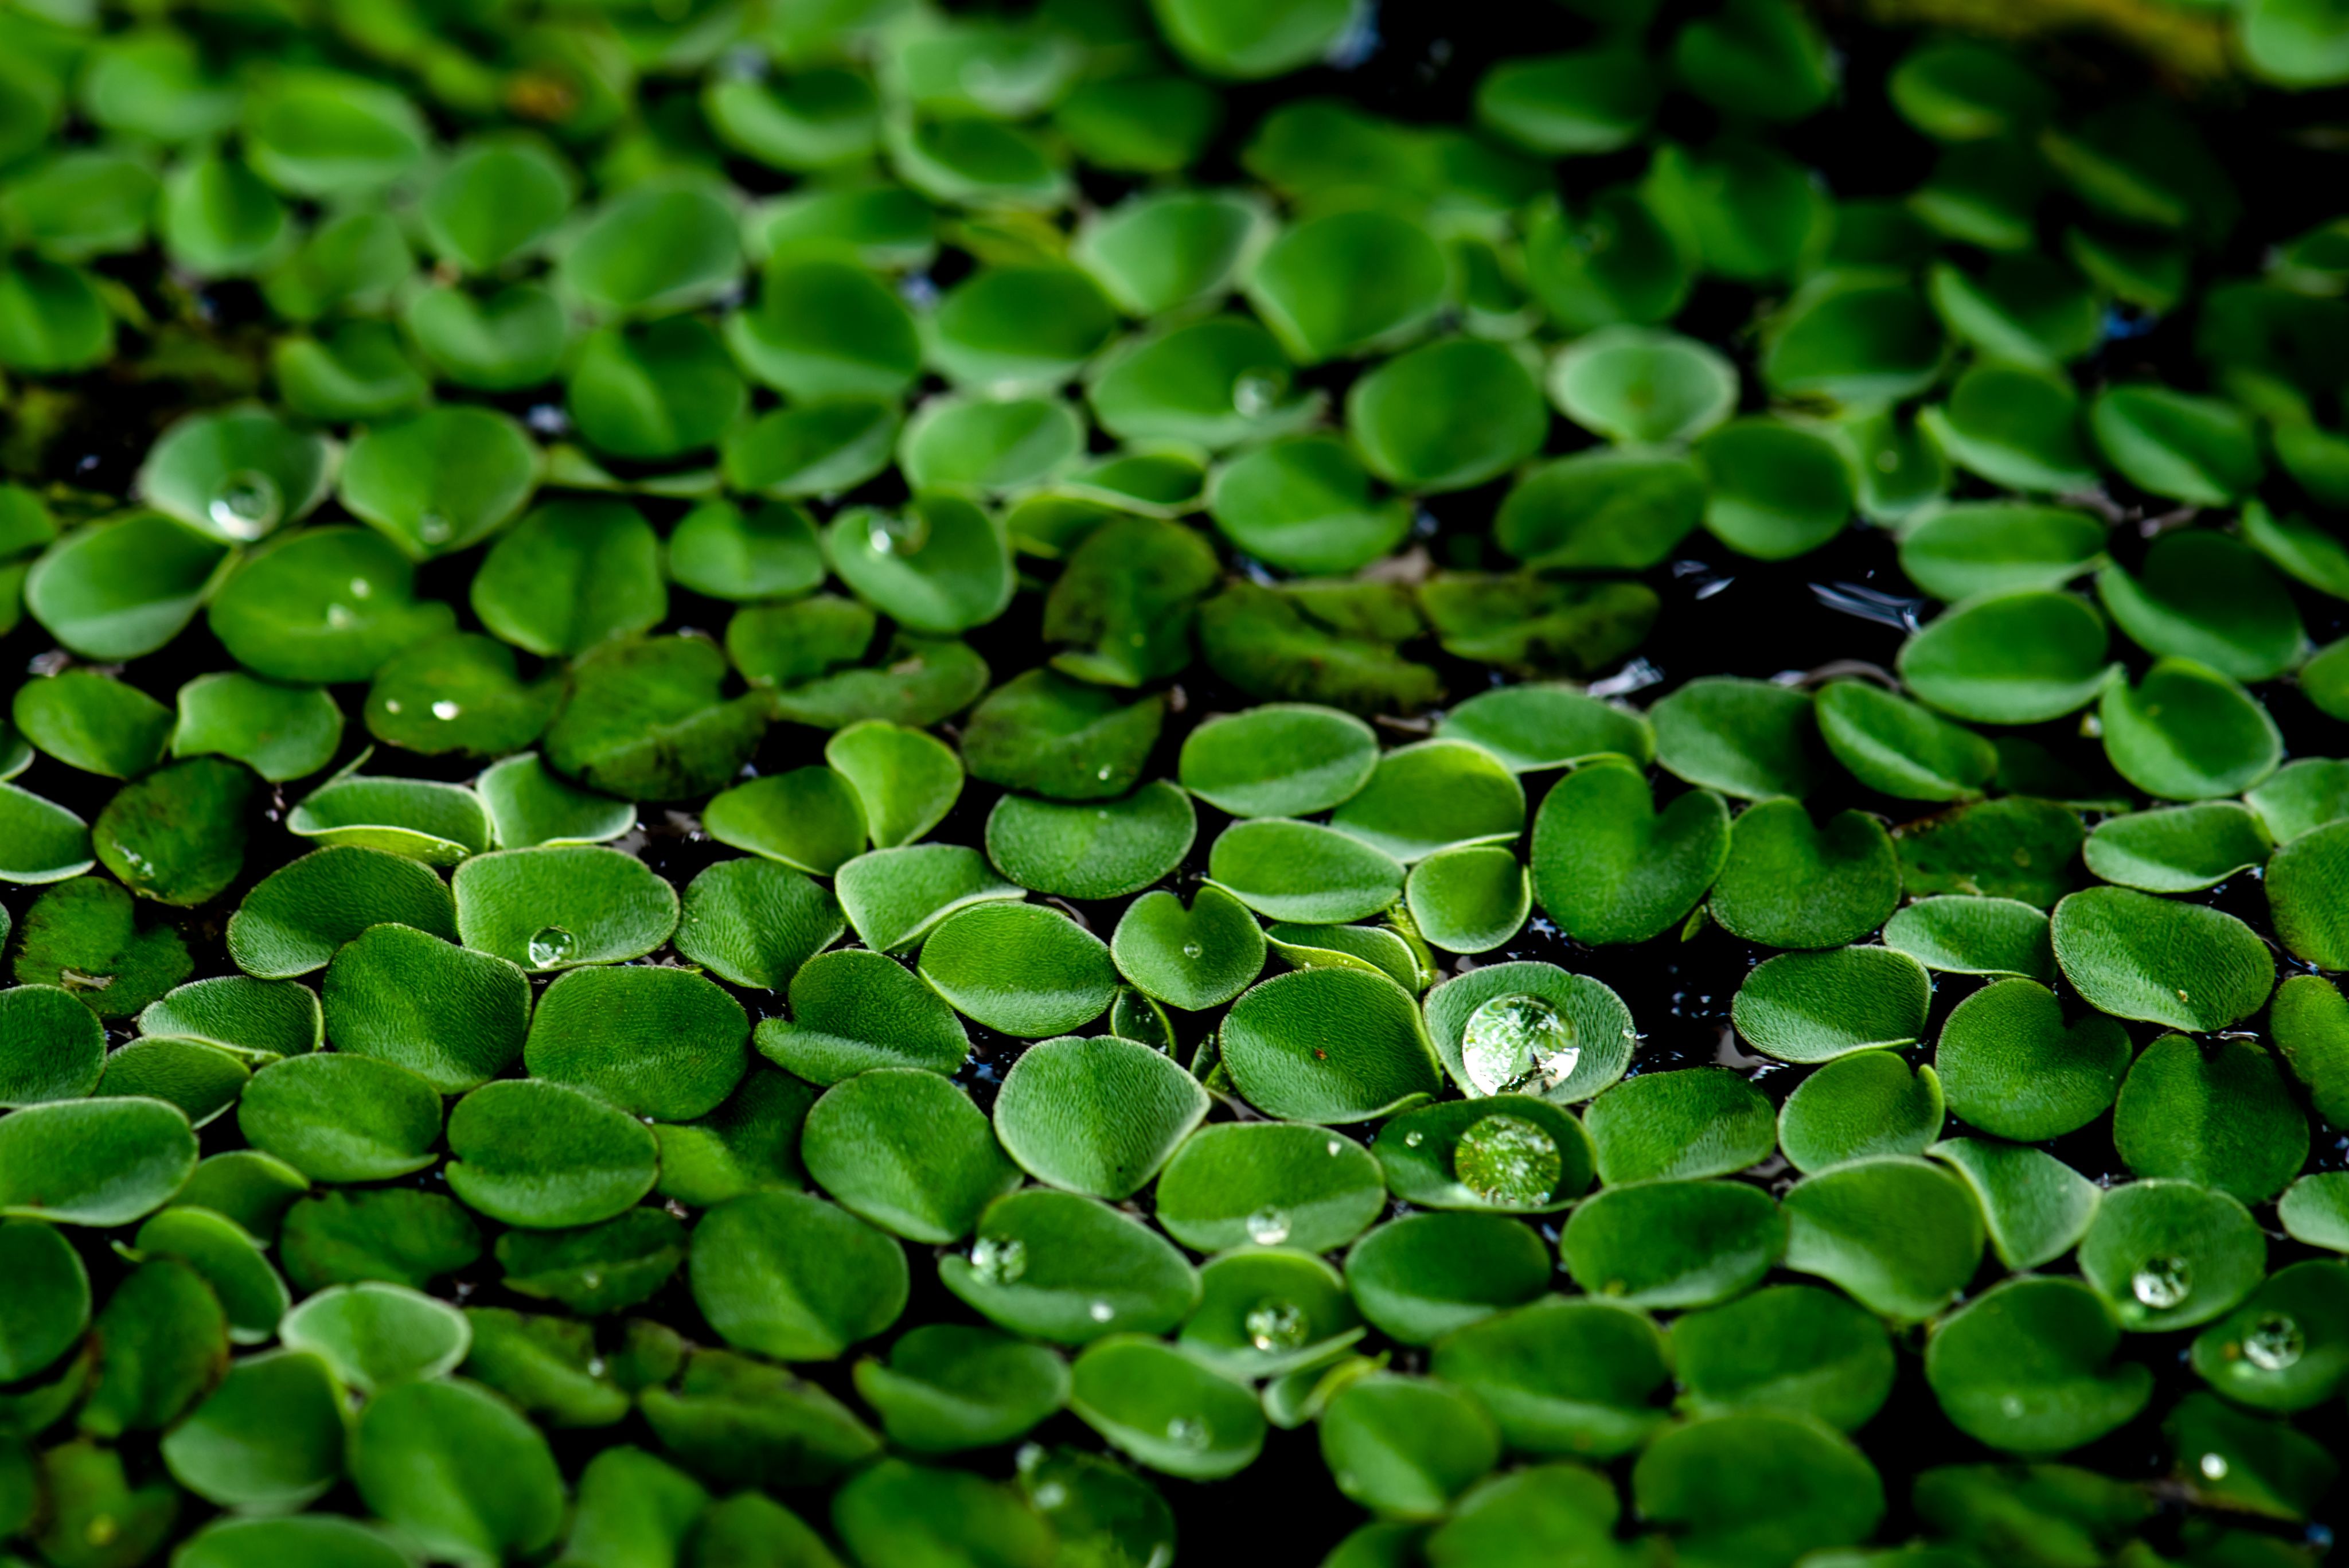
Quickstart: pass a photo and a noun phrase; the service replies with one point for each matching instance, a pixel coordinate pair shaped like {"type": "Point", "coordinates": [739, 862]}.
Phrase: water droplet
{"type": "Point", "coordinates": [1104, 771]}
{"type": "Point", "coordinates": [1508, 1159]}
{"type": "Point", "coordinates": [445, 710]}
{"type": "Point", "coordinates": [595, 1366]}
{"type": "Point", "coordinates": [593, 1279]}
{"type": "Point", "coordinates": [2162, 1282]}
{"type": "Point", "coordinates": [1100, 1312]}
{"type": "Point", "coordinates": [340, 617]}
{"type": "Point", "coordinates": [247, 504]}
{"type": "Point", "coordinates": [1187, 1432]}
{"type": "Point", "coordinates": [1337, 1147]}
{"type": "Point", "coordinates": [433, 528]}
{"type": "Point", "coordinates": [1413, 1139]}
{"type": "Point", "coordinates": [1518, 1043]}
{"type": "Point", "coordinates": [392, 704]}
{"type": "Point", "coordinates": [550, 946]}
{"type": "Point", "coordinates": [2214, 1466]}
{"type": "Point", "coordinates": [999, 1259]}
{"type": "Point", "coordinates": [1274, 1325]}
{"type": "Point", "coordinates": [2274, 1343]}
{"type": "Point", "coordinates": [898, 534]}
{"type": "Point", "coordinates": [2010, 1405]}
{"type": "Point", "coordinates": [1269, 1227]}
{"type": "Point", "coordinates": [361, 588]}
{"type": "Point", "coordinates": [1255, 393]}
{"type": "Point", "coordinates": [1049, 1496]}
{"type": "Point", "coordinates": [1193, 951]}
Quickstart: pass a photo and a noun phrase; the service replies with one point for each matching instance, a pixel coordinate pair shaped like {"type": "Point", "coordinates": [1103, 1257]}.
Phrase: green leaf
{"type": "Point", "coordinates": [1019, 326]}
{"type": "Point", "coordinates": [559, 905]}
{"type": "Point", "coordinates": [1436, 795]}
{"type": "Point", "coordinates": [2170, 1254]}
{"type": "Point", "coordinates": [1860, 1106]}
{"type": "Point", "coordinates": [342, 1117]}
{"type": "Point", "coordinates": [1793, 1348]}
{"type": "Point", "coordinates": [1818, 1006]}
{"type": "Point", "coordinates": [178, 834]}
{"type": "Point", "coordinates": [1973, 935]}
{"type": "Point", "coordinates": [440, 481]}
{"type": "Point", "coordinates": [123, 588]}
{"type": "Point", "coordinates": [748, 1143]}
{"type": "Point", "coordinates": [1893, 745]}
{"type": "Point", "coordinates": [754, 923]}
{"type": "Point", "coordinates": [662, 1044]}
{"type": "Point", "coordinates": [661, 247]}
{"type": "Point", "coordinates": [1756, 1487]}
{"type": "Point", "coordinates": [1750, 739]}
{"type": "Point", "coordinates": [894, 898]}
{"type": "Point", "coordinates": [1097, 851]}
{"type": "Point", "coordinates": [1776, 490]}
{"type": "Point", "coordinates": [2183, 965]}
{"type": "Point", "coordinates": [1419, 1277]}
{"type": "Point", "coordinates": [2028, 1368]}
{"type": "Point", "coordinates": [794, 1278]}
{"type": "Point", "coordinates": [2203, 596]}
{"type": "Point", "coordinates": [2012, 848]}
{"type": "Point", "coordinates": [1791, 883]}
{"type": "Point", "coordinates": [457, 693]}
{"type": "Point", "coordinates": [1302, 871]}
{"type": "Point", "coordinates": [92, 721]}
{"type": "Point", "coordinates": [1608, 868]}
{"type": "Point", "coordinates": [1529, 1028]}
{"type": "Point", "coordinates": [93, 1162]}
{"type": "Point", "coordinates": [1900, 1235]}
{"type": "Point", "coordinates": [810, 819]}
{"type": "Point", "coordinates": [1976, 548]}
{"type": "Point", "coordinates": [1407, 1447]}
{"type": "Point", "coordinates": [1097, 1116]}
{"type": "Point", "coordinates": [375, 1335]}
{"type": "Point", "coordinates": [2012, 1066]}
{"type": "Point", "coordinates": [1447, 415]}
{"type": "Point", "coordinates": [280, 732]}
{"type": "Point", "coordinates": [906, 781]}
{"type": "Point", "coordinates": [907, 1150]}
{"type": "Point", "coordinates": [574, 573]}
{"type": "Point", "coordinates": [2201, 451]}
{"type": "Point", "coordinates": [1191, 959]}
{"type": "Point", "coordinates": [1673, 1244]}
{"type": "Point", "coordinates": [2034, 1206]}
{"type": "Point", "coordinates": [497, 342]}
{"type": "Point", "coordinates": [1022, 969]}
{"type": "Point", "coordinates": [1469, 899]}
{"type": "Point", "coordinates": [824, 329]}
{"type": "Point", "coordinates": [946, 1387]}
{"type": "Point", "coordinates": [1507, 1152]}
{"type": "Point", "coordinates": [1329, 1046]}
{"type": "Point", "coordinates": [1164, 1409]}
{"type": "Point", "coordinates": [1046, 734]}
{"type": "Point", "coordinates": [2220, 1116]}
{"type": "Point", "coordinates": [2180, 850]}
{"type": "Point", "coordinates": [237, 476]}
{"type": "Point", "coordinates": [1053, 1266]}
{"type": "Point", "coordinates": [852, 1010]}
{"type": "Point", "coordinates": [530, 807]}
{"type": "Point", "coordinates": [1158, 250]}
{"type": "Point", "coordinates": [324, 605]}
{"type": "Point", "coordinates": [49, 1306]}
{"type": "Point", "coordinates": [454, 1017]}
{"type": "Point", "coordinates": [401, 1235]}
{"type": "Point", "coordinates": [720, 550]}
{"type": "Point", "coordinates": [2300, 797]}
{"type": "Point", "coordinates": [435, 822]}
{"type": "Point", "coordinates": [545, 1154]}
{"type": "Point", "coordinates": [457, 1469]}
{"type": "Point", "coordinates": [1678, 1125]}
{"type": "Point", "coordinates": [1337, 285]}
{"type": "Point", "coordinates": [2286, 1347]}
{"type": "Point", "coordinates": [2011, 659]}
{"type": "Point", "coordinates": [83, 935]}
{"type": "Point", "coordinates": [270, 1437]}
{"type": "Point", "coordinates": [898, 1512]}
{"type": "Point", "coordinates": [1268, 1183]}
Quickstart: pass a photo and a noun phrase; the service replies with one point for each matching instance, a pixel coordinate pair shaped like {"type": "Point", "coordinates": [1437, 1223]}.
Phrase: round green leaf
{"type": "Point", "coordinates": [457, 1469]}
{"type": "Point", "coordinates": [546, 1155]}
{"type": "Point", "coordinates": [1329, 1045]}
{"type": "Point", "coordinates": [852, 1010]}
{"type": "Point", "coordinates": [559, 905]}
{"type": "Point", "coordinates": [1817, 1006]}
{"type": "Point", "coordinates": [1022, 969]}
{"type": "Point", "coordinates": [454, 1017]}
{"type": "Point", "coordinates": [437, 483]}
{"type": "Point", "coordinates": [1164, 1409]}
{"type": "Point", "coordinates": [1679, 1125]}
{"type": "Point", "coordinates": [2170, 1254]}
{"type": "Point", "coordinates": [340, 1118]}
{"type": "Point", "coordinates": [2011, 659]}
{"type": "Point", "coordinates": [2220, 1116]}
{"type": "Point", "coordinates": [1900, 1235]}
{"type": "Point", "coordinates": [1419, 1277]}
{"type": "Point", "coordinates": [1053, 1266]}
{"type": "Point", "coordinates": [1790, 883]}
{"type": "Point", "coordinates": [2183, 965]}
{"type": "Point", "coordinates": [1267, 1183]}
{"type": "Point", "coordinates": [907, 1150]}
{"type": "Point", "coordinates": [2012, 1066]}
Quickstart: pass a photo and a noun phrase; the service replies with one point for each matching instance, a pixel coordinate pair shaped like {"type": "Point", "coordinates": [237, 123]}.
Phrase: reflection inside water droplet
{"type": "Point", "coordinates": [2274, 1343]}
{"type": "Point", "coordinates": [551, 945]}
{"type": "Point", "coordinates": [433, 528]}
{"type": "Point", "coordinates": [1273, 1325]}
{"type": "Point", "coordinates": [1193, 951]}
{"type": "Point", "coordinates": [2162, 1282]}
{"type": "Point", "coordinates": [1255, 392]}
{"type": "Point", "coordinates": [2214, 1467]}
{"type": "Point", "coordinates": [1269, 1227]}
{"type": "Point", "coordinates": [247, 504]}
{"type": "Point", "coordinates": [1518, 1044]}
{"type": "Point", "coordinates": [998, 1261]}
{"type": "Point", "coordinates": [1508, 1159]}
{"type": "Point", "coordinates": [444, 709]}
{"type": "Point", "coordinates": [898, 533]}
{"type": "Point", "coordinates": [1413, 1139]}
{"type": "Point", "coordinates": [1187, 1432]}
{"type": "Point", "coordinates": [1336, 1146]}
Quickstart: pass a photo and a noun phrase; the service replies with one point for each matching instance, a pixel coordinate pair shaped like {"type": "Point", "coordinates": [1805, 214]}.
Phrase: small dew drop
{"type": "Point", "coordinates": [1413, 1139]}
{"type": "Point", "coordinates": [2162, 1282]}
{"type": "Point", "coordinates": [446, 709]}
{"type": "Point", "coordinates": [1336, 1147]}
{"type": "Point", "coordinates": [1187, 1432]}
{"type": "Point", "coordinates": [1100, 1312]}
{"type": "Point", "coordinates": [1104, 773]}
{"type": "Point", "coordinates": [2010, 1405]}
{"type": "Point", "coordinates": [1193, 951]}
{"type": "Point", "coordinates": [1255, 393]}
{"type": "Point", "coordinates": [898, 534]}
{"type": "Point", "coordinates": [2214, 1467]}
{"type": "Point", "coordinates": [1507, 1161]}
{"type": "Point", "coordinates": [340, 618]}
{"type": "Point", "coordinates": [2274, 1343]}
{"type": "Point", "coordinates": [392, 704]}
{"type": "Point", "coordinates": [1276, 1326]}
{"type": "Point", "coordinates": [998, 1261]}
{"type": "Point", "coordinates": [1518, 1043]}
{"type": "Point", "coordinates": [433, 528]}
{"type": "Point", "coordinates": [1049, 1496]}
{"type": "Point", "coordinates": [361, 588]}
{"type": "Point", "coordinates": [550, 945]}
{"type": "Point", "coordinates": [1269, 1227]}
{"type": "Point", "coordinates": [246, 506]}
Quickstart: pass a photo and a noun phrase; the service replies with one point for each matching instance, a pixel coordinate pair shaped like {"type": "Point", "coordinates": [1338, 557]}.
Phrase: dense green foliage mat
{"type": "Point", "coordinates": [817, 783]}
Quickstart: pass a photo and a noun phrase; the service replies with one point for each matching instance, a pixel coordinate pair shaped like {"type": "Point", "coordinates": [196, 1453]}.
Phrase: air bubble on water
{"type": "Point", "coordinates": [1413, 1139]}
{"type": "Point", "coordinates": [1255, 393]}
{"type": "Point", "coordinates": [2162, 1282]}
{"type": "Point", "coordinates": [1193, 951]}
{"type": "Point", "coordinates": [550, 945]}
{"type": "Point", "coordinates": [433, 528]}
{"type": "Point", "coordinates": [1269, 1227]}
{"type": "Point", "coordinates": [340, 617]}
{"type": "Point", "coordinates": [2214, 1467]}
{"type": "Point", "coordinates": [1100, 1312]}
{"type": "Point", "coordinates": [1518, 1043]}
{"type": "Point", "coordinates": [246, 506]}
{"type": "Point", "coordinates": [1187, 1432]}
{"type": "Point", "coordinates": [1275, 1325]}
{"type": "Point", "coordinates": [1508, 1159]}
{"type": "Point", "coordinates": [2274, 1343]}
{"type": "Point", "coordinates": [446, 709]}
{"type": "Point", "coordinates": [998, 1261]}
{"type": "Point", "coordinates": [898, 534]}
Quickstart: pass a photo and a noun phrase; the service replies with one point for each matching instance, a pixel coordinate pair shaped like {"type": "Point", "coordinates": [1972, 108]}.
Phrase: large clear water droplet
{"type": "Point", "coordinates": [2275, 1342]}
{"type": "Point", "coordinates": [1255, 393]}
{"type": "Point", "coordinates": [550, 945]}
{"type": "Point", "coordinates": [1187, 1432]}
{"type": "Point", "coordinates": [2161, 1283]}
{"type": "Point", "coordinates": [246, 506]}
{"type": "Point", "coordinates": [1275, 1325]}
{"type": "Point", "coordinates": [1269, 1227]}
{"type": "Point", "coordinates": [898, 534]}
{"type": "Point", "coordinates": [1518, 1044]}
{"type": "Point", "coordinates": [999, 1259]}
{"type": "Point", "coordinates": [1508, 1159]}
